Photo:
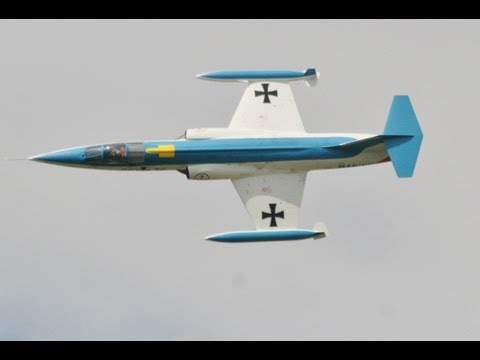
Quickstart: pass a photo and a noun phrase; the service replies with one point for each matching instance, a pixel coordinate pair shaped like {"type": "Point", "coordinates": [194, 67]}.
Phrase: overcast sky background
{"type": "Point", "coordinates": [120, 255]}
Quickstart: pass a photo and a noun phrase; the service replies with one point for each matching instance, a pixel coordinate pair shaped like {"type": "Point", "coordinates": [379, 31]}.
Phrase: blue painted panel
{"type": "Point", "coordinates": [249, 150]}
{"type": "Point", "coordinates": [403, 136]}
{"type": "Point", "coordinates": [63, 157]}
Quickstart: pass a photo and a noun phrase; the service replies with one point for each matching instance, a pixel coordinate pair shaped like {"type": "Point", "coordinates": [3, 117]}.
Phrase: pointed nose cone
{"type": "Point", "coordinates": [70, 157]}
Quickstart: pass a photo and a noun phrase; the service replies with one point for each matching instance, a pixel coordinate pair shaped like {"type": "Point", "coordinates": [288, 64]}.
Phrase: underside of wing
{"type": "Point", "coordinates": [272, 201]}
{"type": "Point", "coordinates": [268, 106]}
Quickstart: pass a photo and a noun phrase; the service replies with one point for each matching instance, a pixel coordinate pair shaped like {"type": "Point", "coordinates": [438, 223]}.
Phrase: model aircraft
{"type": "Point", "coordinates": [265, 152]}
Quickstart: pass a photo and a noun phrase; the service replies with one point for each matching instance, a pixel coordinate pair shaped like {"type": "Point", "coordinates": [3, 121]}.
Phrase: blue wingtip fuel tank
{"type": "Point", "coordinates": [257, 75]}
{"type": "Point", "coordinates": [269, 235]}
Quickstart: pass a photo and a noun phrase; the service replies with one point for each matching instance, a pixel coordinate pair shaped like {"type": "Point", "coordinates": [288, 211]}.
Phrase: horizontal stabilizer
{"type": "Point", "coordinates": [309, 75]}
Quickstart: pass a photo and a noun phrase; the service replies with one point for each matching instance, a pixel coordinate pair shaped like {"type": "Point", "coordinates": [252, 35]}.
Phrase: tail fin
{"type": "Point", "coordinates": [403, 136]}
{"type": "Point", "coordinates": [320, 230]}
{"type": "Point", "coordinates": [312, 77]}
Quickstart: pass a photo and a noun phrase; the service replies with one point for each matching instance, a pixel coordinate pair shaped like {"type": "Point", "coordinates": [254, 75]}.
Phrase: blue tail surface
{"type": "Point", "coordinates": [403, 136]}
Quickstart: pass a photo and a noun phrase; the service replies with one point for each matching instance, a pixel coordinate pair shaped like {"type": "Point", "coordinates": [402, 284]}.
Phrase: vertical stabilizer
{"type": "Point", "coordinates": [403, 136]}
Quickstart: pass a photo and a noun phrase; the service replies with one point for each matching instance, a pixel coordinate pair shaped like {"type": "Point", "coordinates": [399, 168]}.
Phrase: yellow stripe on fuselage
{"type": "Point", "coordinates": [163, 151]}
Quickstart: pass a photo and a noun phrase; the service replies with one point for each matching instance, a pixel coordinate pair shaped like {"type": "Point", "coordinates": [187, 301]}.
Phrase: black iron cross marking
{"type": "Point", "coordinates": [273, 215]}
{"type": "Point", "coordinates": [266, 93]}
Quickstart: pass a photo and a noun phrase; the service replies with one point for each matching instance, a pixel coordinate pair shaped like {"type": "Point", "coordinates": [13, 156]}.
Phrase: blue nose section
{"type": "Point", "coordinates": [63, 157]}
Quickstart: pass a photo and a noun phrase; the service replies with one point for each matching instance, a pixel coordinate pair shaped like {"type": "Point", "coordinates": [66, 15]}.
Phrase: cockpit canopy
{"type": "Point", "coordinates": [115, 154]}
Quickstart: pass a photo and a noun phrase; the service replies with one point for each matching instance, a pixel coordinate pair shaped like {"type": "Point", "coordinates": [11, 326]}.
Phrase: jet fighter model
{"type": "Point", "coordinates": [265, 152]}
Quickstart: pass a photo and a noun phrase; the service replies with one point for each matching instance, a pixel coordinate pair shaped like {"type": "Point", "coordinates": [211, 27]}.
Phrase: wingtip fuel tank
{"type": "Point", "coordinates": [309, 75]}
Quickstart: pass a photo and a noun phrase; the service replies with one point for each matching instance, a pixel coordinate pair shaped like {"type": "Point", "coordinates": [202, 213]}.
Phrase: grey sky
{"type": "Point", "coordinates": [105, 255]}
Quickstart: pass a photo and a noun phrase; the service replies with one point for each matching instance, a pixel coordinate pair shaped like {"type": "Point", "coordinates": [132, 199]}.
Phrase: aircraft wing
{"type": "Point", "coordinates": [267, 105]}
{"type": "Point", "coordinates": [272, 201]}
